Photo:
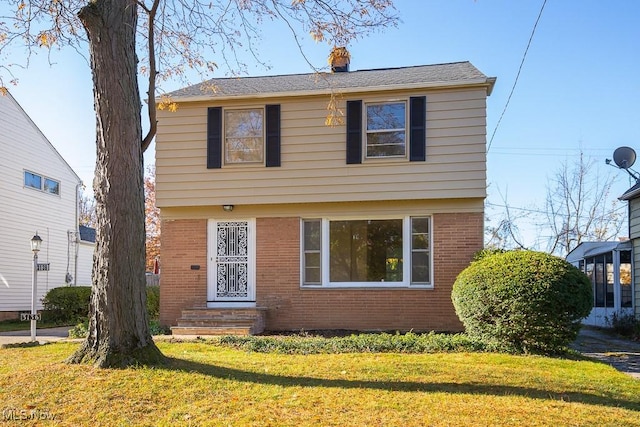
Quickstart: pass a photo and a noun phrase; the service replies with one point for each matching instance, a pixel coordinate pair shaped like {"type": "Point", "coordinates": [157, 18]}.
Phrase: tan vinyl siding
{"type": "Point", "coordinates": [351, 209]}
{"type": "Point", "coordinates": [313, 156]}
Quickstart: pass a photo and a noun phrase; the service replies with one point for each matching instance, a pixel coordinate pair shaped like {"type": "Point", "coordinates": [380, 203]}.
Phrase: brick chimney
{"type": "Point", "coordinates": [339, 59]}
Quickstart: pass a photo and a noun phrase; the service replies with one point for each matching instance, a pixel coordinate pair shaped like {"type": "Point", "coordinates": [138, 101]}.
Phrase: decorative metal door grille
{"type": "Point", "coordinates": [232, 260]}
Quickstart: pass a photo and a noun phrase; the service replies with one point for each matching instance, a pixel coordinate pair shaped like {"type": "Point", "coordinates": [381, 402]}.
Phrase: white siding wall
{"type": "Point", "coordinates": [85, 263]}
{"type": "Point", "coordinates": [313, 156]}
{"type": "Point", "coordinates": [23, 211]}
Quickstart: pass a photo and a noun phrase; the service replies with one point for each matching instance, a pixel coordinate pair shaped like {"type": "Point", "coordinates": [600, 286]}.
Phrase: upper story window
{"type": "Point", "coordinates": [32, 180]}
{"type": "Point", "coordinates": [394, 129]}
{"type": "Point", "coordinates": [244, 136]}
{"type": "Point", "coordinates": [38, 182]}
{"type": "Point", "coordinates": [386, 129]}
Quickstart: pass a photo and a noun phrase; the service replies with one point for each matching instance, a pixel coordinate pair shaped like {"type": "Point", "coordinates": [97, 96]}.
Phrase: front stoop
{"type": "Point", "coordinates": [220, 321]}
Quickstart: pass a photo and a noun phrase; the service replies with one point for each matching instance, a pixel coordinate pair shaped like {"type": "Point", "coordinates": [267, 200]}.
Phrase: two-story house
{"type": "Point", "coordinates": [38, 193]}
{"type": "Point", "coordinates": [269, 212]}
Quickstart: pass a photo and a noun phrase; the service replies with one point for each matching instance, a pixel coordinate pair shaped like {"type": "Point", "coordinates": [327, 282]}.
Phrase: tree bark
{"type": "Point", "coordinates": [118, 324]}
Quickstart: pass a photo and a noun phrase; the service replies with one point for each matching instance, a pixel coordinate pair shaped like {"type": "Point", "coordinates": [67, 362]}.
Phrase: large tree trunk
{"type": "Point", "coordinates": [118, 325]}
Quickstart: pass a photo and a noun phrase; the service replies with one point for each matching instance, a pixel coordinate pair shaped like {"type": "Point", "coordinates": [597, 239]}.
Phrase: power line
{"type": "Point", "coordinates": [540, 211]}
{"type": "Point", "coordinates": [524, 56]}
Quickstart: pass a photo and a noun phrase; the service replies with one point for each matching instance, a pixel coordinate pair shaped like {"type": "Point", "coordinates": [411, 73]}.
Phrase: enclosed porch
{"type": "Point", "coordinates": [609, 267]}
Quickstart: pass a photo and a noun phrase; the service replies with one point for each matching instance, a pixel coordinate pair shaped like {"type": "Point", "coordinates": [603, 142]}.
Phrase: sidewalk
{"type": "Point", "coordinates": [42, 336]}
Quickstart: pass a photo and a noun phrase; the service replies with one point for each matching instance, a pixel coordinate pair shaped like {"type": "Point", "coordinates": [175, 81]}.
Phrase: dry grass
{"type": "Point", "coordinates": [206, 384]}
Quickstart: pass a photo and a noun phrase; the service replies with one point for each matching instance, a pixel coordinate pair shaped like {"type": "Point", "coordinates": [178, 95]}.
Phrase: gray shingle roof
{"type": "Point", "coordinates": [87, 234]}
{"type": "Point", "coordinates": [457, 73]}
{"type": "Point", "coordinates": [631, 193]}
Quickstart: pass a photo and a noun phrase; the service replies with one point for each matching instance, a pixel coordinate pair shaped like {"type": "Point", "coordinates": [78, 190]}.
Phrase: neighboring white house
{"type": "Point", "coordinates": [84, 259]}
{"type": "Point", "coordinates": [38, 193]}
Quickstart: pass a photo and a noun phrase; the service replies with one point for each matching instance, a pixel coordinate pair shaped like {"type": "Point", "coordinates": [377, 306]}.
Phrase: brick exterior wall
{"type": "Point", "coordinates": [456, 237]}
{"type": "Point", "coordinates": [9, 315]}
{"type": "Point", "coordinates": [184, 244]}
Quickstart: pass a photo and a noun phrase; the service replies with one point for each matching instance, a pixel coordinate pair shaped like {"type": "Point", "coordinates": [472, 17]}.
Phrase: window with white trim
{"type": "Point", "coordinates": [38, 182]}
{"type": "Point", "coordinates": [244, 136]}
{"type": "Point", "coordinates": [386, 129]}
{"type": "Point", "coordinates": [386, 252]}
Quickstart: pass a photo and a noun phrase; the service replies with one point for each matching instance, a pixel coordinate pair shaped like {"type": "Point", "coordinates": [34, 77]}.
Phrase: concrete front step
{"type": "Point", "coordinates": [223, 313]}
{"type": "Point", "coordinates": [216, 323]}
{"type": "Point", "coordinates": [220, 321]}
{"type": "Point", "coordinates": [209, 331]}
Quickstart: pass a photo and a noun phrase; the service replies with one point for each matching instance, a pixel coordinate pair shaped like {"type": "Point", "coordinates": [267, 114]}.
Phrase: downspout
{"type": "Point", "coordinates": [77, 236]}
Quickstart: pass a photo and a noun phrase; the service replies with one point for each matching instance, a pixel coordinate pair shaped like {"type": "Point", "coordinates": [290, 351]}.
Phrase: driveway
{"type": "Point", "coordinates": [622, 354]}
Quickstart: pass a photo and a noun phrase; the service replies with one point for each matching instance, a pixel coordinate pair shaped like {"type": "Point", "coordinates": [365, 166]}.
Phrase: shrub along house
{"type": "Point", "coordinates": [273, 219]}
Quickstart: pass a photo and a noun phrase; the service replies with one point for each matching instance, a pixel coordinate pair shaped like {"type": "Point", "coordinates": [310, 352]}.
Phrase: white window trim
{"type": "Point", "coordinates": [366, 132]}
{"type": "Point", "coordinates": [224, 136]}
{"type": "Point", "coordinates": [406, 254]}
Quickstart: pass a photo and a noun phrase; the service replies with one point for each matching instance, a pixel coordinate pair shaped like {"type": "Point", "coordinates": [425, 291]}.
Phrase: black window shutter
{"type": "Point", "coordinates": [272, 121]}
{"type": "Point", "coordinates": [214, 137]}
{"type": "Point", "coordinates": [417, 128]}
{"type": "Point", "coordinates": [354, 132]}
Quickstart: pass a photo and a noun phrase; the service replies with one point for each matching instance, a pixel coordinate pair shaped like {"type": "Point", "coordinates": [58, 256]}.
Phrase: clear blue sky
{"type": "Point", "coordinates": [579, 87]}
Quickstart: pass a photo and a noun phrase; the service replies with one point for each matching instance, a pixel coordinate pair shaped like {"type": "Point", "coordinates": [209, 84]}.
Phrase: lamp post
{"type": "Point", "coordinates": [36, 241]}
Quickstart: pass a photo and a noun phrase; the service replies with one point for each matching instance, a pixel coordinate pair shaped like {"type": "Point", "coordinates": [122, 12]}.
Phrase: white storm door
{"type": "Point", "coordinates": [231, 276]}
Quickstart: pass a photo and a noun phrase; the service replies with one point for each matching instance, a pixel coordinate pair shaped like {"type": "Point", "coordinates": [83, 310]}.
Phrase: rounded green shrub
{"type": "Point", "coordinates": [153, 302]}
{"type": "Point", "coordinates": [522, 301]}
{"type": "Point", "coordinates": [70, 304]}
{"type": "Point", "coordinates": [67, 304]}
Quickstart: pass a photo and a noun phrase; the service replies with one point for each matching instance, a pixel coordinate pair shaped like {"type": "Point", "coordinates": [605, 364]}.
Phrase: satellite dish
{"type": "Point", "coordinates": [624, 157]}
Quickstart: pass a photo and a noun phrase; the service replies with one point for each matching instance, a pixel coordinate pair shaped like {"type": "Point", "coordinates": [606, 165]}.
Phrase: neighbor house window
{"type": "Point", "coordinates": [366, 252]}
{"type": "Point", "coordinates": [51, 186]}
{"type": "Point", "coordinates": [386, 129]}
{"type": "Point", "coordinates": [32, 180]}
{"type": "Point", "coordinates": [38, 182]}
{"type": "Point", "coordinates": [244, 136]}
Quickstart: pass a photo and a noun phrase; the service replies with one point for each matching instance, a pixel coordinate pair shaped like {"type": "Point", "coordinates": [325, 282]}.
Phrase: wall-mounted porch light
{"type": "Point", "coordinates": [227, 208]}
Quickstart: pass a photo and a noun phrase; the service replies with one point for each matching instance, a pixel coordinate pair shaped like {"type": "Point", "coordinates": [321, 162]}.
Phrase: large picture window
{"type": "Point", "coordinates": [366, 252]}
{"type": "Point", "coordinates": [244, 136]}
{"type": "Point", "coordinates": [386, 129]}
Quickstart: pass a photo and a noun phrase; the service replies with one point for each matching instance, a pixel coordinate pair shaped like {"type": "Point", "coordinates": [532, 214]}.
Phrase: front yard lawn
{"type": "Point", "coordinates": [207, 384]}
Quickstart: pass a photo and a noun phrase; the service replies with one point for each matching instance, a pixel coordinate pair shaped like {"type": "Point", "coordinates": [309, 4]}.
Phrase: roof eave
{"type": "Point", "coordinates": [487, 83]}
{"type": "Point", "coordinates": [631, 193]}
